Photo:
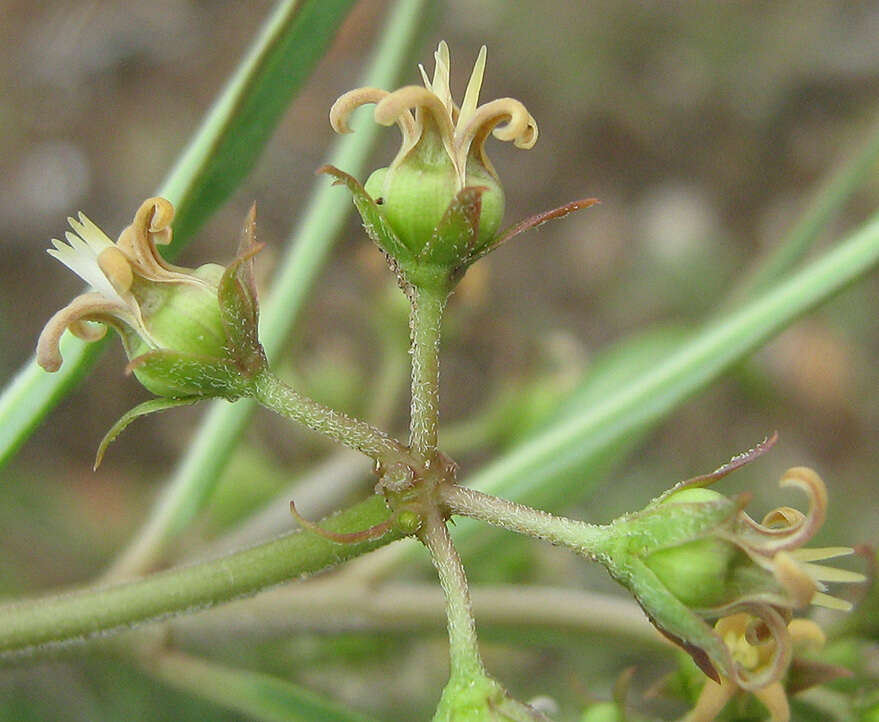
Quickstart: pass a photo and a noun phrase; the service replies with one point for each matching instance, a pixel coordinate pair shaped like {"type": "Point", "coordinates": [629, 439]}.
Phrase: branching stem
{"type": "Point", "coordinates": [274, 394]}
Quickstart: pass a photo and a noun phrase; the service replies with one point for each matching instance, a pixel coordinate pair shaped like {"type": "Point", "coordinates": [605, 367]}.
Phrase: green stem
{"type": "Point", "coordinates": [83, 614]}
{"type": "Point", "coordinates": [425, 323]}
{"type": "Point", "coordinates": [274, 394]}
{"type": "Point", "coordinates": [463, 646]}
{"type": "Point", "coordinates": [589, 539]}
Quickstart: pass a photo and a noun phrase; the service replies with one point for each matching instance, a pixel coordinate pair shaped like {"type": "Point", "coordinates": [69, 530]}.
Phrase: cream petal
{"type": "Point", "coordinates": [81, 258]}
{"type": "Point", "coordinates": [830, 602]}
{"type": "Point", "coordinates": [90, 232]}
{"type": "Point", "coordinates": [816, 554]}
{"type": "Point", "coordinates": [824, 573]}
{"type": "Point", "coordinates": [471, 95]}
{"type": "Point", "coordinates": [440, 85]}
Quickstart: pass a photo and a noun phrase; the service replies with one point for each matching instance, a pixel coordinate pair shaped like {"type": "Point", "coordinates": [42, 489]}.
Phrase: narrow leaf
{"type": "Point", "coordinates": [230, 141]}
{"type": "Point", "coordinates": [147, 407]}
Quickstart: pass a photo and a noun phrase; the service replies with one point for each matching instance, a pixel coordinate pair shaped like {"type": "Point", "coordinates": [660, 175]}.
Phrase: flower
{"type": "Point", "coordinates": [442, 152]}
{"type": "Point", "coordinates": [753, 647]}
{"type": "Point", "coordinates": [694, 555]}
{"type": "Point", "coordinates": [175, 324]}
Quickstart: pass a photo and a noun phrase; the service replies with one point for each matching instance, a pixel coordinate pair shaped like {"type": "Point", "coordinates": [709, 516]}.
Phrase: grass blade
{"type": "Point", "coordinates": [258, 696]}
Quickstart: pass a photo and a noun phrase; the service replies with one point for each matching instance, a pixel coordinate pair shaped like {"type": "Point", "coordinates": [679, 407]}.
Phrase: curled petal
{"type": "Point", "coordinates": [397, 104]}
{"type": "Point", "coordinates": [775, 632]}
{"type": "Point", "coordinates": [86, 307]}
{"type": "Point", "coordinates": [152, 226]}
{"type": "Point", "coordinates": [346, 104]}
{"type": "Point", "coordinates": [769, 539]}
{"type": "Point", "coordinates": [518, 126]}
{"type": "Point", "coordinates": [88, 331]}
{"type": "Point", "coordinates": [342, 109]}
{"type": "Point", "coordinates": [783, 518]}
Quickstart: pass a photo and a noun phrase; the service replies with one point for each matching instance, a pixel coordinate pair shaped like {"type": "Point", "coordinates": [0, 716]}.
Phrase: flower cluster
{"type": "Point", "coordinates": [755, 648]}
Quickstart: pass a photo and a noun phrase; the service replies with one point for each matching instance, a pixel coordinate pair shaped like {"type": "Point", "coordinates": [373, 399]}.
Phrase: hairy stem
{"type": "Point", "coordinates": [590, 539]}
{"type": "Point", "coordinates": [274, 394]}
{"type": "Point", "coordinates": [463, 646]}
{"type": "Point", "coordinates": [425, 323]}
{"type": "Point", "coordinates": [84, 614]}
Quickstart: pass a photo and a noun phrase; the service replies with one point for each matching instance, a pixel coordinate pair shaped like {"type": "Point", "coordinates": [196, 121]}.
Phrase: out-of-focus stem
{"type": "Point", "coordinates": [87, 613]}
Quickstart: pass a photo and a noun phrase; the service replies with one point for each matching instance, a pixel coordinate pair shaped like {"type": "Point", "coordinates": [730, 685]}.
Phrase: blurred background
{"type": "Point", "coordinates": [704, 128]}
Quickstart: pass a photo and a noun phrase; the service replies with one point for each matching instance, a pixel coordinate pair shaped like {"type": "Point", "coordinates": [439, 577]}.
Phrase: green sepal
{"type": "Point", "coordinates": [239, 304]}
{"type": "Point", "coordinates": [454, 239]}
{"type": "Point", "coordinates": [535, 221]}
{"type": "Point", "coordinates": [177, 375]}
{"type": "Point", "coordinates": [147, 407]}
{"type": "Point", "coordinates": [675, 620]}
{"type": "Point", "coordinates": [374, 222]}
{"type": "Point", "coordinates": [671, 524]}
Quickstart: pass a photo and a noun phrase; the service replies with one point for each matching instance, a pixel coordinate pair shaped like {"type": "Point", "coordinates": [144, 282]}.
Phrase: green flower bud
{"type": "Point", "coordinates": [188, 333]}
{"type": "Point", "coordinates": [696, 572]}
{"type": "Point", "coordinates": [421, 217]}
{"type": "Point", "coordinates": [182, 317]}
